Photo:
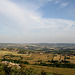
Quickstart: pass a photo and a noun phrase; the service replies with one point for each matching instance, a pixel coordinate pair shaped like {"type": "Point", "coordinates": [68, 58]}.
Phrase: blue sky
{"type": "Point", "coordinates": [37, 21]}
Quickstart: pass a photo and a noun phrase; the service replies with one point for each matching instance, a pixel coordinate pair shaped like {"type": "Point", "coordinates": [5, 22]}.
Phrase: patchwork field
{"type": "Point", "coordinates": [34, 58]}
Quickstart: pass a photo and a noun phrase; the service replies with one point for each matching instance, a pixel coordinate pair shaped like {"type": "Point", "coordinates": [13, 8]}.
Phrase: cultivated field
{"type": "Point", "coordinates": [34, 58]}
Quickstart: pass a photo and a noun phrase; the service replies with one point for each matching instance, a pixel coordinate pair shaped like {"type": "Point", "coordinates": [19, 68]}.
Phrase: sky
{"type": "Point", "coordinates": [37, 21]}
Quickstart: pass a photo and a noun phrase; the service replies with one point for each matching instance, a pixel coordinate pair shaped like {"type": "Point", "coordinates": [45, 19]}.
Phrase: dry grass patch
{"type": "Point", "coordinates": [62, 71]}
{"type": "Point", "coordinates": [57, 58]}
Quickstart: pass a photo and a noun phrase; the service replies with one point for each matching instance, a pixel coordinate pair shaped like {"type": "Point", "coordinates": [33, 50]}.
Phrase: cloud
{"type": "Point", "coordinates": [64, 4]}
{"type": "Point", "coordinates": [61, 3]}
{"type": "Point", "coordinates": [57, 1]}
{"type": "Point", "coordinates": [33, 4]}
{"type": "Point", "coordinates": [24, 21]}
{"type": "Point", "coordinates": [30, 20]}
{"type": "Point", "coordinates": [17, 16]}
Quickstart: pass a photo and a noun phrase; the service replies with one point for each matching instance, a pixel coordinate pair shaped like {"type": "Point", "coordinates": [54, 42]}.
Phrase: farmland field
{"type": "Point", "coordinates": [33, 58]}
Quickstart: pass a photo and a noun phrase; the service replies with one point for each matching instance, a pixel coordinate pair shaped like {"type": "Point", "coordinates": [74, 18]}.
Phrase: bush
{"type": "Point", "coordinates": [39, 60]}
{"type": "Point", "coordinates": [43, 73]}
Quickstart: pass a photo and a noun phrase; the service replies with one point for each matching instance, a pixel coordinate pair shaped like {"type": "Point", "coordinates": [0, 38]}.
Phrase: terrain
{"type": "Point", "coordinates": [39, 59]}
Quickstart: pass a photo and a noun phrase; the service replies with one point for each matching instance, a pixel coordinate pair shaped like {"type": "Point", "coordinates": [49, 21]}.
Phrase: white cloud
{"type": "Point", "coordinates": [33, 4]}
{"type": "Point", "coordinates": [18, 15]}
{"type": "Point", "coordinates": [57, 1]}
{"type": "Point", "coordinates": [64, 4]}
{"type": "Point", "coordinates": [27, 20]}
{"type": "Point", "coordinates": [61, 3]}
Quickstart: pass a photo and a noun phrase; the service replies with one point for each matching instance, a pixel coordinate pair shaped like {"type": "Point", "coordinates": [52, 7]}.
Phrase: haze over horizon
{"type": "Point", "coordinates": [37, 21]}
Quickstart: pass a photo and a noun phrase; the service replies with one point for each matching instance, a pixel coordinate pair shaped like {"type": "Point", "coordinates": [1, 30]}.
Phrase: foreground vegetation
{"type": "Point", "coordinates": [5, 70]}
